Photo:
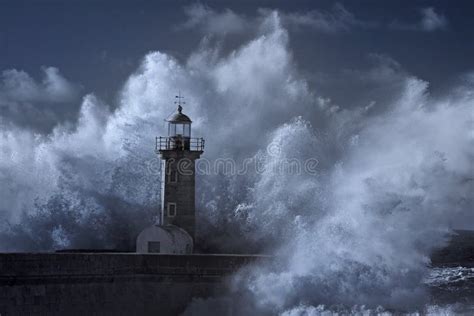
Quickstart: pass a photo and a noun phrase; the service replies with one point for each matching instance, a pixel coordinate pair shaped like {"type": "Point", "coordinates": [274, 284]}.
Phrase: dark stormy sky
{"type": "Point", "coordinates": [97, 44]}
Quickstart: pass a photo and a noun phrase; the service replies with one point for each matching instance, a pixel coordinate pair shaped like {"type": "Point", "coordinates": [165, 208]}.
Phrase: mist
{"type": "Point", "coordinates": [393, 176]}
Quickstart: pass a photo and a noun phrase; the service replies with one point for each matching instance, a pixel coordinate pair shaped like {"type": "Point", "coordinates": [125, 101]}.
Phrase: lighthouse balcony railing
{"type": "Point", "coordinates": [179, 143]}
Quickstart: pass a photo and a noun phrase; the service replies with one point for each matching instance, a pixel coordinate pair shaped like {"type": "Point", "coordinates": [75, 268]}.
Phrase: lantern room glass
{"type": "Point", "coordinates": [179, 129]}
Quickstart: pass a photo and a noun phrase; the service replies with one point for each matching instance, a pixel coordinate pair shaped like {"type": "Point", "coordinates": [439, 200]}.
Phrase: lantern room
{"type": "Point", "coordinates": [179, 133]}
{"type": "Point", "coordinates": [179, 125]}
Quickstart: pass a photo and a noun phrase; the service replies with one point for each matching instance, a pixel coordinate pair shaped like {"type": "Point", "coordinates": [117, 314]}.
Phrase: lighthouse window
{"type": "Point", "coordinates": [173, 176]}
{"type": "Point", "coordinates": [179, 129]}
{"type": "Point", "coordinates": [187, 130]}
{"type": "Point", "coordinates": [171, 209]}
{"type": "Point", "coordinates": [171, 129]}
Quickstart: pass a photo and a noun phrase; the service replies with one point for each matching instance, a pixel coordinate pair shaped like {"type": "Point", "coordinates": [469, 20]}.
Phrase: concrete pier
{"type": "Point", "coordinates": [110, 283]}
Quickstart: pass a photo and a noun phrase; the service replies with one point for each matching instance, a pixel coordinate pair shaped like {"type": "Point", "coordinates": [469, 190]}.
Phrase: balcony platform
{"type": "Point", "coordinates": [177, 143]}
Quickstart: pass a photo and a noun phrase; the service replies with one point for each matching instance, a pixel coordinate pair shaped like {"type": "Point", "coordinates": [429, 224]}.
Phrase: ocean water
{"type": "Point", "coordinates": [451, 293]}
{"type": "Point", "coordinates": [452, 290]}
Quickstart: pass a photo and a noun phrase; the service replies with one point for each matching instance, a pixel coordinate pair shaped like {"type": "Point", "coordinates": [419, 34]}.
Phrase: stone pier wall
{"type": "Point", "coordinates": [110, 283]}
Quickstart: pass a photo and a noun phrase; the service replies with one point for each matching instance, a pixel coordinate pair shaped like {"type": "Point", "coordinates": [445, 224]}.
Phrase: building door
{"type": "Point", "coordinates": [154, 247]}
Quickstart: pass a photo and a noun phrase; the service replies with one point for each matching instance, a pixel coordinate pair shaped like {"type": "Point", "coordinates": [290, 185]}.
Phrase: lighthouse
{"type": "Point", "coordinates": [179, 152]}
{"type": "Point", "coordinates": [175, 229]}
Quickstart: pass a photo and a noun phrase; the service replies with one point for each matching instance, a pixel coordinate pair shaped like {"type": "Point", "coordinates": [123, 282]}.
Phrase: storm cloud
{"type": "Point", "coordinates": [429, 21]}
{"type": "Point", "coordinates": [37, 105]}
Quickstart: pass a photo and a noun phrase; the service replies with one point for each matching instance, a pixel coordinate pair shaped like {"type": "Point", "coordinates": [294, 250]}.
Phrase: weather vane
{"type": "Point", "coordinates": [179, 101]}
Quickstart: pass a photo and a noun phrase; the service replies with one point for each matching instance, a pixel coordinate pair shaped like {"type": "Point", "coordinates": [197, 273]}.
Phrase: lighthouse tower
{"type": "Point", "coordinates": [179, 152]}
{"type": "Point", "coordinates": [175, 229]}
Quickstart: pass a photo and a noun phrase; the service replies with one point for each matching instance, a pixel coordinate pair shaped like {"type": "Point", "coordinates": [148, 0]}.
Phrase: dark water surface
{"type": "Point", "coordinates": [453, 289]}
{"type": "Point", "coordinates": [451, 279]}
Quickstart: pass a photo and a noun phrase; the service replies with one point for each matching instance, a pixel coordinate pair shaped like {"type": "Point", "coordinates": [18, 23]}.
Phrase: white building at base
{"type": "Point", "coordinates": [168, 239]}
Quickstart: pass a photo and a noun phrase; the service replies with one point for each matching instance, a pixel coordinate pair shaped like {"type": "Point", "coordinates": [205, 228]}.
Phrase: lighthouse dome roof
{"type": "Point", "coordinates": [179, 117]}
